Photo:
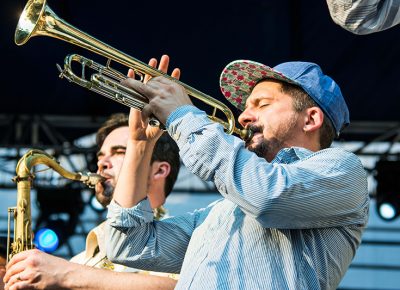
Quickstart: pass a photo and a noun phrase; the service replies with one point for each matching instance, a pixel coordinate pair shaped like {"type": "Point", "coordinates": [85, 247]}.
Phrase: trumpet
{"type": "Point", "coordinates": [37, 19]}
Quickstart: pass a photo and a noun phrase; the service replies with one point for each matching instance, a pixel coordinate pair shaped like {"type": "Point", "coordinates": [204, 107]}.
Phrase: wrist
{"type": "Point", "coordinates": [141, 146]}
{"type": "Point", "coordinates": [71, 278]}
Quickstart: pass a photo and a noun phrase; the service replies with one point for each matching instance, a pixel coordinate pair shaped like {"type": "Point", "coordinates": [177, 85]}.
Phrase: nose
{"type": "Point", "coordinates": [247, 117]}
{"type": "Point", "coordinates": [103, 164]}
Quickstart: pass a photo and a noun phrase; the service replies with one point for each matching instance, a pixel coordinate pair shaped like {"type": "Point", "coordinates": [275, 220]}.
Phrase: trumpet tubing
{"type": "Point", "coordinates": [37, 19]}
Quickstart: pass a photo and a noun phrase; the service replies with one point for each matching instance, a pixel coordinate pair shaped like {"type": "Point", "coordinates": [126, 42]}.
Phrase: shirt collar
{"type": "Point", "coordinates": [291, 155]}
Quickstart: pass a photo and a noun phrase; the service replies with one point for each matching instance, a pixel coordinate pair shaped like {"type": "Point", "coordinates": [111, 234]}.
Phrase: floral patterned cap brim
{"type": "Point", "coordinates": [240, 76]}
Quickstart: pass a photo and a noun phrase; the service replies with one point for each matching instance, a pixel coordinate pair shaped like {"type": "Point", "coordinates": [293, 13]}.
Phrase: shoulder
{"type": "Point", "coordinates": [298, 154]}
{"type": "Point", "coordinates": [333, 153]}
{"type": "Point", "coordinates": [331, 159]}
{"type": "Point", "coordinates": [339, 154]}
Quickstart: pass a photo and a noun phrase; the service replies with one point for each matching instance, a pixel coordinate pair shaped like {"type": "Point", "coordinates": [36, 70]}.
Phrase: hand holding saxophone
{"type": "Point", "coordinates": [33, 269]}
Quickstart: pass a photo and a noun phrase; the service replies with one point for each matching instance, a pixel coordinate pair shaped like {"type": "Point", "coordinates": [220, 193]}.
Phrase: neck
{"type": "Point", "coordinates": [307, 140]}
{"type": "Point", "coordinates": [156, 194]}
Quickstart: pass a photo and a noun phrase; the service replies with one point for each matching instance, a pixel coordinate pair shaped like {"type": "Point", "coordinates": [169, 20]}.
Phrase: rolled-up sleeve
{"type": "Point", "coordinates": [136, 240]}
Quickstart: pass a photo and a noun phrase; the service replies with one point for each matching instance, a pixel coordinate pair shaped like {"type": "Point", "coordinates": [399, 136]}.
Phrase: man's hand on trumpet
{"type": "Point", "coordinates": [138, 121]}
{"type": "Point", "coordinates": [133, 180]}
{"type": "Point", "coordinates": [164, 95]}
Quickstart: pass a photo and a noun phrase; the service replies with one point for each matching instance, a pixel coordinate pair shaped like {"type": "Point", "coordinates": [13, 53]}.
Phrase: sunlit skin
{"type": "Point", "coordinates": [112, 152]}
{"type": "Point", "coordinates": [34, 269]}
{"type": "Point", "coordinates": [110, 158]}
{"type": "Point", "coordinates": [270, 114]}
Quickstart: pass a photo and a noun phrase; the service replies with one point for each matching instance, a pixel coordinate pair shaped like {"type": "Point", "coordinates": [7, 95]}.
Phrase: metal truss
{"type": "Point", "coordinates": [65, 137]}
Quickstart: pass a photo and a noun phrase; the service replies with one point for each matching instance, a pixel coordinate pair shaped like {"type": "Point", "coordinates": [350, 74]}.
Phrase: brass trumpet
{"type": "Point", "coordinates": [38, 19]}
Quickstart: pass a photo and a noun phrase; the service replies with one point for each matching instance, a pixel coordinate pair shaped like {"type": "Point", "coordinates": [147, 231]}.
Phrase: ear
{"type": "Point", "coordinates": [160, 170]}
{"type": "Point", "coordinates": [313, 119]}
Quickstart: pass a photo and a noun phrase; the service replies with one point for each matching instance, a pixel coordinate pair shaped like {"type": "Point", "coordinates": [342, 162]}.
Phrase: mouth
{"type": "Point", "coordinates": [257, 132]}
{"type": "Point", "coordinates": [106, 176]}
{"type": "Point", "coordinates": [256, 136]}
{"type": "Point", "coordinates": [107, 181]}
{"type": "Point", "coordinates": [105, 188]}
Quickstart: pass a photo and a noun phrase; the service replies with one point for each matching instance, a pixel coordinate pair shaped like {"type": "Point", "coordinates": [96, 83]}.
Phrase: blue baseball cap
{"type": "Point", "coordinates": [240, 77]}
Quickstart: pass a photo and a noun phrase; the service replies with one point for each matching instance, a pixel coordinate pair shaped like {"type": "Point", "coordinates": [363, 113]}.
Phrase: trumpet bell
{"type": "Point", "coordinates": [29, 20]}
{"type": "Point", "coordinates": [37, 19]}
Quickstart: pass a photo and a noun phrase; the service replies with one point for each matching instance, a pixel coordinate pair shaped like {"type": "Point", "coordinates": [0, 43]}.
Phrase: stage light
{"type": "Point", "coordinates": [387, 211]}
{"type": "Point", "coordinates": [59, 211]}
{"type": "Point", "coordinates": [46, 240]}
{"type": "Point", "coordinates": [388, 189]}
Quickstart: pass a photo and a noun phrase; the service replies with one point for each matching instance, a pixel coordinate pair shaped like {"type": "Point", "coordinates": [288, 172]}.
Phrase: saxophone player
{"type": "Point", "coordinates": [37, 270]}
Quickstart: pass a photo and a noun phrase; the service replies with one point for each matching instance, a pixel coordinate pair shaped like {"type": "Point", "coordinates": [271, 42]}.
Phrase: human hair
{"type": "Point", "coordinates": [113, 122]}
{"type": "Point", "coordinates": [302, 101]}
{"type": "Point", "coordinates": [165, 149]}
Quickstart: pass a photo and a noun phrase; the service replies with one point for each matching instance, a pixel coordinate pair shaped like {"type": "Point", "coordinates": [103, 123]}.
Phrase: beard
{"type": "Point", "coordinates": [104, 193]}
{"type": "Point", "coordinates": [268, 148]}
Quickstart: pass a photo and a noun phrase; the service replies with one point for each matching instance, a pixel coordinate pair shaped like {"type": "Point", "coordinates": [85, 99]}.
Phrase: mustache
{"type": "Point", "coordinates": [105, 175]}
{"type": "Point", "coordinates": [255, 129]}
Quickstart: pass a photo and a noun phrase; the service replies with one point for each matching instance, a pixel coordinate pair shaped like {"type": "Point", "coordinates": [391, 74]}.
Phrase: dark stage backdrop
{"type": "Point", "coordinates": [201, 37]}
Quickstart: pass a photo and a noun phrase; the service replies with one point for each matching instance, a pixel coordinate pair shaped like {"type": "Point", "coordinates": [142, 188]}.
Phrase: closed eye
{"type": "Point", "coordinates": [118, 150]}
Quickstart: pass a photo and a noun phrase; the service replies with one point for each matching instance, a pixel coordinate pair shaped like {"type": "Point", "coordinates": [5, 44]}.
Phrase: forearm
{"type": "Point", "coordinates": [136, 241]}
{"type": "Point", "coordinates": [84, 277]}
{"type": "Point", "coordinates": [131, 187]}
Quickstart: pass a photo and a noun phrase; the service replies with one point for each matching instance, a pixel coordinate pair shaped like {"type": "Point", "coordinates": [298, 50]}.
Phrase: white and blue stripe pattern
{"type": "Point", "coordinates": [365, 16]}
{"type": "Point", "coordinates": [294, 223]}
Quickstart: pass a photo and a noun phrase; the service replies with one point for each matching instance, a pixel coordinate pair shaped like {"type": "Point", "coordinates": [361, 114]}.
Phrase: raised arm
{"type": "Point", "coordinates": [141, 142]}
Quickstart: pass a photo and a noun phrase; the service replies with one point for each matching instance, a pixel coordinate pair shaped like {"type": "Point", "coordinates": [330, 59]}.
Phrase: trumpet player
{"type": "Point", "coordinates": [91, 269]}
{"type": "Point", "coordinates": [292, 209]}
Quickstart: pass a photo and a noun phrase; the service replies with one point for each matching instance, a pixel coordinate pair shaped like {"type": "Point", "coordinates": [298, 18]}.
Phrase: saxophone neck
{"type": "Point", "coordinates": [34, 157]}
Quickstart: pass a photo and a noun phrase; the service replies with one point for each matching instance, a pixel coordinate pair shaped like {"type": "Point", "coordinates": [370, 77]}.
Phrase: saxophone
{"type": "Point", "coordinates": [23, 235]}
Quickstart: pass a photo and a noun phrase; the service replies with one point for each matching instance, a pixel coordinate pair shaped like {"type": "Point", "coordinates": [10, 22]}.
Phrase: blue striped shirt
{"type": "Point", "coordinates": [294, 223]}
{"type": "Point", "coordinates": [365, 16]}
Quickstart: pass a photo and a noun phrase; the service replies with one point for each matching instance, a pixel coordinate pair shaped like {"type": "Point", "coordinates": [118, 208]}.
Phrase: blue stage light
{"type": "Point", "coordinates": [46, 240]}
{"type": "Point", "coordinates": [387, 211]}
{"type": "Point", "coordinates": [388, 189]}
